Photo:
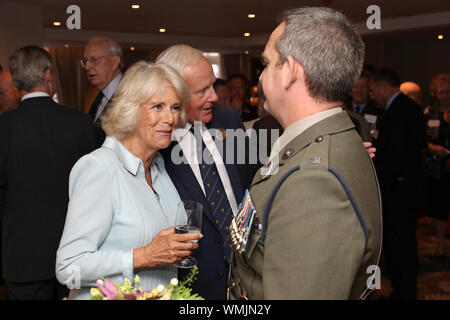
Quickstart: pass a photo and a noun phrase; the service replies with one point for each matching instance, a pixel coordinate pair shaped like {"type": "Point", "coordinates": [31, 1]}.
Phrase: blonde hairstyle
{"type": "Point", "coordinates": [141, 81]}
{"type": "Point", "coordinates": [437, 81]}
{"type": "Point", "coordinates": [180, 56]}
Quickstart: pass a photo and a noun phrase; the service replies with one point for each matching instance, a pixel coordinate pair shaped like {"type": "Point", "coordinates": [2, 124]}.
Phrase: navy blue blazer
{"type": "Point", "coordinates": [211, 281]}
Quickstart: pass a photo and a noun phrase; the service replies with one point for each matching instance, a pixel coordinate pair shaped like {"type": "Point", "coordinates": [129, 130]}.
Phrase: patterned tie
{"type": "Point", "coordinates": [95, 105]}
{"type": "Point", "coordinates": [216, 197]}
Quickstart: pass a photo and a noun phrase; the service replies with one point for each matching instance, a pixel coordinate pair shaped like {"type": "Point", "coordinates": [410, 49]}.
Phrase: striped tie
{"type": "Point", "coordinates": [216, 197]}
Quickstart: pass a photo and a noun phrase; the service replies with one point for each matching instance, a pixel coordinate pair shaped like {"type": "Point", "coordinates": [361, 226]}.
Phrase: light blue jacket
{"type": "Point", "coordinates": [112, 210]}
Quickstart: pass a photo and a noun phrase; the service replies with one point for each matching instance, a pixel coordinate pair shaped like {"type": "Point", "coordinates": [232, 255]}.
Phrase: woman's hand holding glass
{"type": "Point", "coordinates": [166, 248]}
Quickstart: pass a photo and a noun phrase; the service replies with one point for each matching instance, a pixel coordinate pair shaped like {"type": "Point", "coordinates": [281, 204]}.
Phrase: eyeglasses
{"type": "Point", "coordinates": [92, 60]}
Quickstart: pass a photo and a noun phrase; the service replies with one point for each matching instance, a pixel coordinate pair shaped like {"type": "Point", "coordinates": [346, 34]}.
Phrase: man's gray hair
{"type": "Point", "coordinates": [180, 56]}
{"type": "Point", "coordinates": [28, 66]}
{"type": "Point", "coordinates": [327, 46]}
{"type": "Point", "coordinates": [112, 47]}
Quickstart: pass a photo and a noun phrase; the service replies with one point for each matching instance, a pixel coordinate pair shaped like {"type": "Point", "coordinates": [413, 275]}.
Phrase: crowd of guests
{"type": "Point", "coordinates": [84, 197]}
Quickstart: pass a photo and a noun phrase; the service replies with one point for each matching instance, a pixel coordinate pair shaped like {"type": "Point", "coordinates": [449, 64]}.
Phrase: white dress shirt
{"type": "Point", "coordinates": [108, 93]}
{"type": "Point", "coordinates": [186, 140]}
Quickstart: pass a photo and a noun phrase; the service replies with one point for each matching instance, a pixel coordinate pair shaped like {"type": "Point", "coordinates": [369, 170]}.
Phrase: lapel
{"type": "Point", "coordinates": [337, 123]}
{"type": "Point", "coordinates": [184, 179]}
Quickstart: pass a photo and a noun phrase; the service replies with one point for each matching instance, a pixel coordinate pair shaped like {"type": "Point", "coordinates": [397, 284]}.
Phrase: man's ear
{"type": "Point", "coordinates": [116, 60]}
{"type": "Point", "coordinates": [49, 84]}
{"type": "Point", "coordinates": [293, 71]}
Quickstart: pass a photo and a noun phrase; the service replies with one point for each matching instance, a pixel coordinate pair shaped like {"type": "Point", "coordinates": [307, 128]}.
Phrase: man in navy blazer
{"type": "Point", "coordinates": [208, 118]}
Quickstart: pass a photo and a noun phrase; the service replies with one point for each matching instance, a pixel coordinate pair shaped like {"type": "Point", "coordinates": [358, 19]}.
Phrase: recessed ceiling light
{"type": "Point", "coordinates": [440, 37]}
{"type": "Point", "coordinates": [247, 34]}
{"type": "Point", "coordinates": [251, 16]}
{"type": "Point", "coordinates": [162, 30]}
{"type": "Point", "coordinates": [56, 23]}
{"type": "Point", "coordinates": [135, 6]}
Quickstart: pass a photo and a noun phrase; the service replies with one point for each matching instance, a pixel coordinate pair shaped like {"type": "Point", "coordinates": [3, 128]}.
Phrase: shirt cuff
{"type": "Point", "coordinates": [127, 264]}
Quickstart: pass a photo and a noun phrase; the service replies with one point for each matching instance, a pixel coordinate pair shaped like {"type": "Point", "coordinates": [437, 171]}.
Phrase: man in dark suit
{"type": "Point", "coordinates": [103, 61]}
{"type": "Point", "coordinates": [238, 85]}
{"type": "Point", "coordinates": [219, 184]}
{"type": "Point", "coordinates": [363, 105]}
{"type": "Point", "coordinates": [40, 141]}
{"type": "Point", "coordinates": [398, 162]}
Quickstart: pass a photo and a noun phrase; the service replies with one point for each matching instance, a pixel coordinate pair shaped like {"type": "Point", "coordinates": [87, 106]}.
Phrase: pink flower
{"type": "Point", "coordinates": [109, 289]}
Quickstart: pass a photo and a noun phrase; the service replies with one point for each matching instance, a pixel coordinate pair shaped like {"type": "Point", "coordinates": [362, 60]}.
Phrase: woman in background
{"type": "Point", "coordinates": [438, 129]}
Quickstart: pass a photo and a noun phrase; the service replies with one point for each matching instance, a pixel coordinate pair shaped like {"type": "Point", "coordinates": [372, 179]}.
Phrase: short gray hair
{"type": "Point", "coordinates": [180, 56]}
{"type": "Point", "coordinates": [28, 66]}
{"type": "Point", "coordinates": [112, 47]}
{"type": "Point", "coordinates": [327, 46]}
{"type": "Point", "coordinates": [139, 83]}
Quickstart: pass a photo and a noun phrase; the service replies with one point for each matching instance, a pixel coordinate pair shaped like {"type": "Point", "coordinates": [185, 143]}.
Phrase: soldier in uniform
{"type": "Point", "coordinates": [310, 227]}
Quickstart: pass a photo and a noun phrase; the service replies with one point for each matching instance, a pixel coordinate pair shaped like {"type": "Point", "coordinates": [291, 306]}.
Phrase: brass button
{"type": "Point", "coordinates": [319, 139]}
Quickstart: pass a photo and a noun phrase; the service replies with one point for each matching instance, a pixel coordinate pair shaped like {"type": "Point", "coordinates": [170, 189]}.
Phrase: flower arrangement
{"type": "Point", "coordinates": [175, 290]}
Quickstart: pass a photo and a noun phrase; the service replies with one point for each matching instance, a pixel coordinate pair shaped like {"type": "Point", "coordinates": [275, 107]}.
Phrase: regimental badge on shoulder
{"type": "Point", "coordinates": [242, 223]}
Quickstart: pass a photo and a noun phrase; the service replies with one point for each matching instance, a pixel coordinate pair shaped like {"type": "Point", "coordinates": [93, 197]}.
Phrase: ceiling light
{"type": "Point", "coordinates": [440, 37]}
{"type": "Point", "coordinates": [247, 34]}
{"type": "Point", "coordinates": [135, 6]}
{"type": "Point", "coordinates": [251, 16]}
{"type": "Point", "coordinates": [162, 30]}
{"type": "Point", "coordinates": [56, 23]}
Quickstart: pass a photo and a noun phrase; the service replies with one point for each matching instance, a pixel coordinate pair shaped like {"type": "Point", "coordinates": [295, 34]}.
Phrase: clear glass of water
{"type": "Point", "coordinates": [194, 213]}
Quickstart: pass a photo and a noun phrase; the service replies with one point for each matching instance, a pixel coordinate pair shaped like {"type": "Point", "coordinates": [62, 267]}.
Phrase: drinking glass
{"type": "Point", "coordinates": [194, 213]}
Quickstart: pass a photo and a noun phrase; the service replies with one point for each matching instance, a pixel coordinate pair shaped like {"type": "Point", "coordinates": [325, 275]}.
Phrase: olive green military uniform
{"type": "Point", "coordinates": [318, 223]}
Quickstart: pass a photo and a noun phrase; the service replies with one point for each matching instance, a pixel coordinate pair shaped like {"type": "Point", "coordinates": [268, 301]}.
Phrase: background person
{"type": "Point", "coordinates": [400, 144]}
{"type": "Point", "coordinates": [438, 155]}
{"type": "Point", "coordinates": [239, 88]}
{"type": "Point", "coordinates": [223, 92]}
{"type": "Point", "coordinates": [103, 61]}
{"type": "Point", "coordinates": [129, 229]}
{"type": "Point", "coordinates": [413, 91]}
{"type": "Point", "coordinates": [40, 142]}
{"type": "Point", "coordinates": [9, 95]}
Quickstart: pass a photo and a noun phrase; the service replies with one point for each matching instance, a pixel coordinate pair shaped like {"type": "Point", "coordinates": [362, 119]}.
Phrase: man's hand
{"type": "Point", "coordinates": [370, 150]}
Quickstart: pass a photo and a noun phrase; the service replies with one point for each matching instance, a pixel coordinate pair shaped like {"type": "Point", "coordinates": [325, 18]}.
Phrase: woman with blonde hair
{"type": "Point", "coordinates": [438, 157]}
{"type": "Point", "coordinates": [122, 207]}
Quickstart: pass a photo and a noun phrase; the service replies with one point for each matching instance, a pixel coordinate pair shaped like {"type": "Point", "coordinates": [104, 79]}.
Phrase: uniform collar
{"type": "Point", "coordinates": [337, 122]}
{"type": "Point", "coordinates": [299, 127]}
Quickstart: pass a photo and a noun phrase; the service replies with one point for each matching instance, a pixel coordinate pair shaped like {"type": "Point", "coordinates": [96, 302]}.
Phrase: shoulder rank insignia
{"type": "Point", "coordinates": [242, 223]}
